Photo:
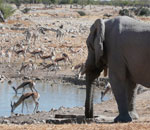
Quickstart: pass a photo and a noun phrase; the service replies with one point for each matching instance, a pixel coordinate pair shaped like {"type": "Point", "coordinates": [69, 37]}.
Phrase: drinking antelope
{"type": "Point", "coordinates": [108, 88]}
{"type": "Point", "coordinates": [34, 95]}
{"type": "Point", "coordinates": [27, 84]}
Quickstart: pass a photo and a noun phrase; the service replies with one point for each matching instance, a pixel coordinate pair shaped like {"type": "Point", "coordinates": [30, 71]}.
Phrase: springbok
{"type": "Point", "coordinates": [36, 53]}
{"type": "Point", "coordinates": [34, 95]}
{"type": "Point", "coordinates": [44, 57]}
{"type": "Point", "coordinates": [21, 51]}
{"type": "Point", "coordinates": [81, 68]}
{"type": "Point", "coordinates": [30, 84]}
{"type": "Point", "coordinates": [64, 58]}
{"type": "Point", "coordinates": [108, 88]}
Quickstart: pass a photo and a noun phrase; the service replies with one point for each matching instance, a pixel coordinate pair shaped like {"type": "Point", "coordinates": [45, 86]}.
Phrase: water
{"type": "Point", "coordinates": [51, 96]}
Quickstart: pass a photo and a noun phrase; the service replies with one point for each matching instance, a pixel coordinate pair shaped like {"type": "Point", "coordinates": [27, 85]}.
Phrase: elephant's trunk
{"type": "Point", "coordinates": [90, 77]}
{"type": "Point", "coordinates": [89, 98]}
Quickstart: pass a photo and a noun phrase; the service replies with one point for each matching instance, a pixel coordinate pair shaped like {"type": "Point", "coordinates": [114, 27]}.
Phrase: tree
{"type": "Point", "coordinates": [17, 3]}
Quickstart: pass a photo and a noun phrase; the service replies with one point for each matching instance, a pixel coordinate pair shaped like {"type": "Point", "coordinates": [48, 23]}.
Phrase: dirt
{"type": "Point", "coordinates": [73, 44]}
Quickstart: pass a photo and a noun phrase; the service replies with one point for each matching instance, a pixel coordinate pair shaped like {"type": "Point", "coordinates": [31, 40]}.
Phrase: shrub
{"type": "Point", "coordinates": [82, 13]}
{"type": "Point", "coordinates": [17, 3]}
{"type": "Point", "coordinates": [124, 12]}
{"type": "Point", "coordinates": [25, 10]}
{"type": "Point", "coordinates": [7, 10]}
{"type": "Point", "coordinates": [144, 12]}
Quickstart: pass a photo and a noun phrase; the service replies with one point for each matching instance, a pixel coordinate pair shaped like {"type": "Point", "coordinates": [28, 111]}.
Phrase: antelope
{"type": "Point", "coordinates": [2, 53]}
{"type": "Point", "coordinates": [26, 65]}
{"type": "Point", "coordinates": [63, 58]}
{"type": "Point", "coordinates": [36, 52]}
{"type": "Point", "coordinates": [52, 65]}
{"type": "Point", "coordinates": [81, 71]}
{"type": "Point", "coordinates": [9, 55]}
{"type": "Point", "coordinates": [34, 95]}
{"type": "Point", "coordinates": [108, 88]}
{"type": "Point", "coordinates": [23, 67]}
{"type": "Point", "coordinates": [21, 51]}
{"type": "Point", "coordinates": [57, 60]}
{"type": "Point", "coordinates": [30, 84]}
{"type": "Point", "coordinates": [28, 35]}
{"type": "Point", "coordinates": [59, 34]}
{"type": "Point", "coordinates": [67, 57]}
{"type": "Point", "coordinates": [31, 34]}
{"type": "Point", "coordinates": [35, 36]}
{"type": "Point", "coordinates": [47, 56]}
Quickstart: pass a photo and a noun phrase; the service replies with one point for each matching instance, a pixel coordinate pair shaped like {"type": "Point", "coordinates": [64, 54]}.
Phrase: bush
{"type": "Point", "coordinates": [81, 13]}
{"type": "Point", "coordinates": [17, 3]}
{"type": "Point", "coordinates": [7, 10]}
{"type": "Point", "coordinates": [144, 12]}
{"type": "Point", "coordinates": [25, 10]}
{"type": "Point", "coordinates": [124, 12]}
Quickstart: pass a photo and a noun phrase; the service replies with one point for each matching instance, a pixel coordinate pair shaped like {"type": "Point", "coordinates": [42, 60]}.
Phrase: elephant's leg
{"type": "Point", "coordinates": [89, 95]}
{"type": "Point", "coordinates": [119, 88]}
{"type": "Point", "coordinates": [131, 100]}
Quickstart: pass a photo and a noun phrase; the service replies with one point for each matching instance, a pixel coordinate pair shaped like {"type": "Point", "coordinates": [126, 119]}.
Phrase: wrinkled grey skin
{"type": "Point", "coordinates": [123, 45]}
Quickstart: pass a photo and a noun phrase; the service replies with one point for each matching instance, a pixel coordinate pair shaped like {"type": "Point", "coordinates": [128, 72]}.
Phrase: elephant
{"type": "Point", "coordinates": [122, 45]}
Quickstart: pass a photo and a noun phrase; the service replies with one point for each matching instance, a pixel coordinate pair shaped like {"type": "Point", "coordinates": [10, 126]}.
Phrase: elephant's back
{"type": "Point", "coordinates": [126, 23]}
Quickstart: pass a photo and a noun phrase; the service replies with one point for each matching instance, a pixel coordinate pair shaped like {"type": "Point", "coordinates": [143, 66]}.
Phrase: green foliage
{"type": "Point", "coordinates": [142, 11]}
{"type": "Point", "coordinates": [123, 12]}
{"type": "Point", "coordinates": [17, 3]}
{"type": "Point", "coordinates": [7, 10]}
{"type": "Point", "coordinates": [85, 2]}
{"type": "Point", "coordinates": [25, 10]}
{"type": "Point", "coordinates": [82, 13]}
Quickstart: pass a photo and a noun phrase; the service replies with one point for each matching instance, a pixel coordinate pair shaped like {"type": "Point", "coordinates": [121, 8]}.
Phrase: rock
{"type": "Point", "coordinates": [43, 121]}
{"type": "Point", "coordinates": [6, 121]}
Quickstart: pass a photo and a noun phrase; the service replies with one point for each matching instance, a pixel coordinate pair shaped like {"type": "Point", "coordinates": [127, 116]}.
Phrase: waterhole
{"type": "Point", "coordinates": [51, 96]}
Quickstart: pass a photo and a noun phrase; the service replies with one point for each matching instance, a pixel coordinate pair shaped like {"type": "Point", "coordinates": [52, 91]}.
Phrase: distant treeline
{"type": "Point", "coordinates": [85, 2]}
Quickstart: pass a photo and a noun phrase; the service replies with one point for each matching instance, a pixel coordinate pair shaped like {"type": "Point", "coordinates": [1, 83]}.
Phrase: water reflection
{"type": "Point", "coordinates": [51, 96]}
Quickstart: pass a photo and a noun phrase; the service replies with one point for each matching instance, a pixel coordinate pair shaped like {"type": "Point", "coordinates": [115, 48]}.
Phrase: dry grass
{"type": "Point", "coordinates": [128, 126]}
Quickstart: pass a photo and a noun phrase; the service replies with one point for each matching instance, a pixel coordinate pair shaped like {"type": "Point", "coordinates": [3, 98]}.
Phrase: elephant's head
{"type": "Point", "coordinates": [95, 46]}
{"type": "Point", "coordinates": [95, 61]}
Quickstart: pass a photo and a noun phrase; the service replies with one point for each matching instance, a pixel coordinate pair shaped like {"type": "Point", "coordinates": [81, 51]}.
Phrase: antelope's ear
{"type": "Point", "coordinates": [99, 39]}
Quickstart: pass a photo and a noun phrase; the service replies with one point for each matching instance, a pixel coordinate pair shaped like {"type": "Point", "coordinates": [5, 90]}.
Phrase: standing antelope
{"type": "Point", "coordinates": [21, 51]}
{"type": "Point", "coordinates": [29, 66]}
{"type": "Point", "coordinates": [23, 67]}
{"type": "Point", "coordinates": [52, 67]}
{"type": "Point", "coordinates": [64, 58]}
{"type": "Point", "coordinates": [81, 68]}
{"type": "Point", "coordinates": [30, 84]}
{"type": "Point", "coordinates": [34, 95]}
{"type": "Point", "coordinates": [36, 53]}
{"type": "Point", "coordinates": [44, 57]}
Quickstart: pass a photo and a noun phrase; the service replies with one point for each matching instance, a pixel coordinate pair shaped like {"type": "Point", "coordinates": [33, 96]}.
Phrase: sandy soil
{"type": "Point", "coordinates": [75, 29]}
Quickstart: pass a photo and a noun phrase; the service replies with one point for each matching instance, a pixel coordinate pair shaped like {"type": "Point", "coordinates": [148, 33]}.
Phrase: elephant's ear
{"type": "Point", "coordinates": [99, 39]}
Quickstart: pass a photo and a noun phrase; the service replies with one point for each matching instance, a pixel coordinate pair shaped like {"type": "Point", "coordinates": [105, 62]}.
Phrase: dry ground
{"type": "Point", "coordinates": [75, 39]}
{"type": "Point", "coordinates": [128, 126]}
